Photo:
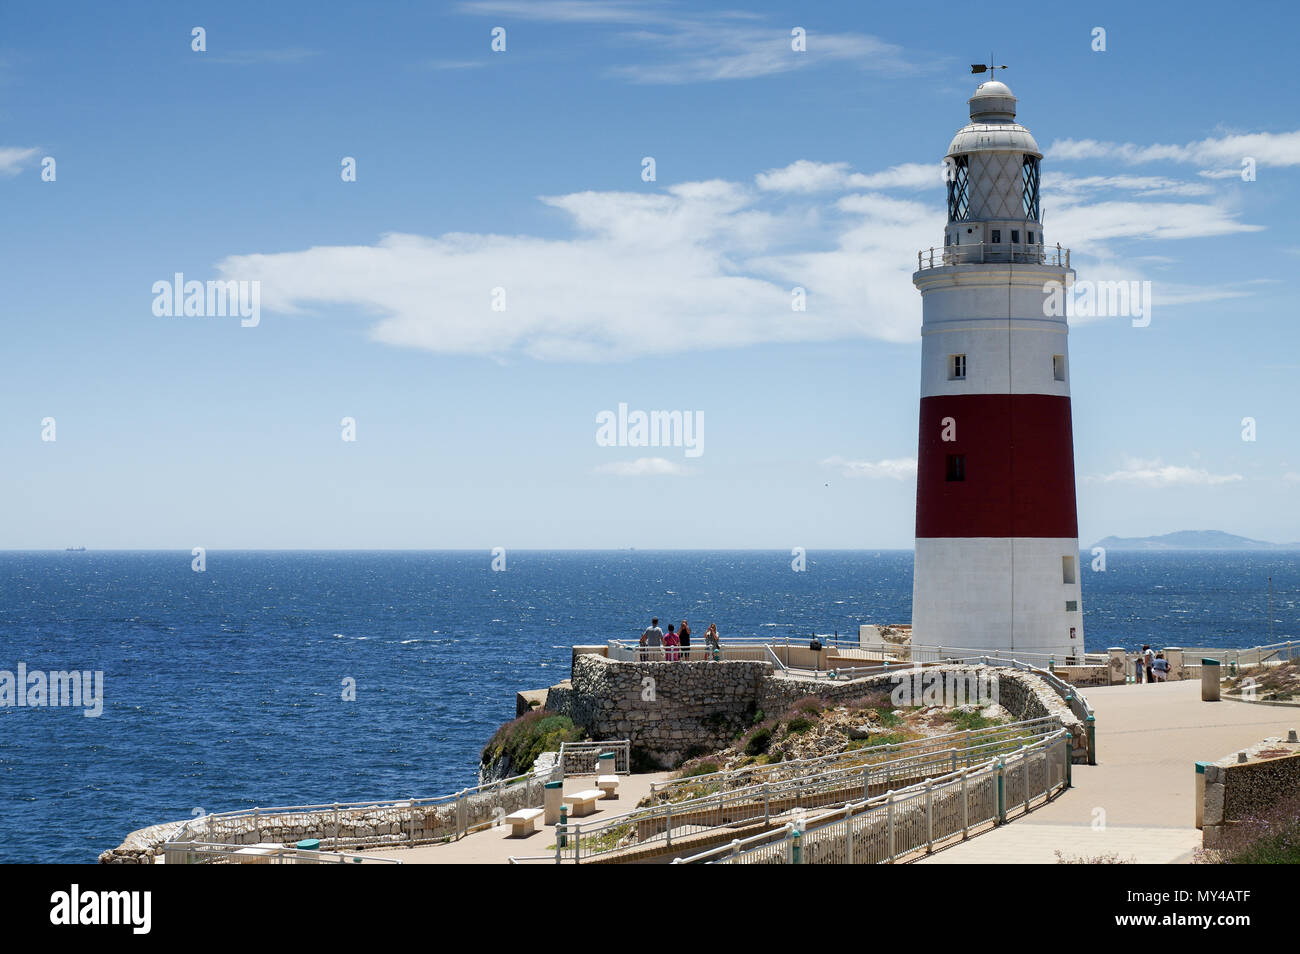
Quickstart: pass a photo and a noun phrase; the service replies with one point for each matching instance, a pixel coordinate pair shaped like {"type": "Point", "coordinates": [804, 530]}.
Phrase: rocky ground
{"type": "Point", "coordinates": [812, 728]}
{"type": "Point", "coordinates": [1278, 682]}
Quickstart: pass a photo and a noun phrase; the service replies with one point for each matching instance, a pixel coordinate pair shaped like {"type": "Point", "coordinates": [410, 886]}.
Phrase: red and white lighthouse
{"type": "Point", "coordinates": [997, 548]}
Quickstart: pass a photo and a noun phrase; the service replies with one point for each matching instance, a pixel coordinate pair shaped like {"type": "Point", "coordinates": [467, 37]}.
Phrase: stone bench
{"type": "Point", "coordinates": [262, 853]}
{"type": "Point", "coordinates": [608, 784]}
{"type": "Point", "coordinates": [523, 822]}
{"type": "Point", "coordinates": [584, 802]}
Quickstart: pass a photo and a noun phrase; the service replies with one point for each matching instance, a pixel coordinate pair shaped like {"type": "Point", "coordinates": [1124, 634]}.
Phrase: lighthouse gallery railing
{"type": "Point", "coordinates": [985, 253]}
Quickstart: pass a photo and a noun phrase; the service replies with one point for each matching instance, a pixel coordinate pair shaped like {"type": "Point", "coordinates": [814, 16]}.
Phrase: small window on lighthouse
{"type": "Point", "coordinates": [1058, 367]}
{"type": "Point", "coordinates": [1067, 570]}
{"type": "Point", "coordinates": [956, 467]}
{"type": "Point", "coordinates": [1015, 236]}
{"type": "Point", "coordinates": [956, 367]}
{"type": "Point", "coordinates": [997, 236]}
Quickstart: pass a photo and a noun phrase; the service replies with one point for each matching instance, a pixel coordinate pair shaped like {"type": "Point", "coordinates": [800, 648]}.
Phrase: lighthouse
{"type": "Point", "coordinates": [997, 548]}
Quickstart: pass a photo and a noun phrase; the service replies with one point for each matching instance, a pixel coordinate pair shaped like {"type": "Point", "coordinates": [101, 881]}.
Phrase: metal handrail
{"type": "Point", "coordinates": [859, 757]}
{"type": "Point", "coordinates": [576, 840]}
{"type": "Point", "coordinates": [903, 838]}
{"type": "Point", "coordinates": [983, 253]}
{"type": "Point", "coordinates": [197, 852]}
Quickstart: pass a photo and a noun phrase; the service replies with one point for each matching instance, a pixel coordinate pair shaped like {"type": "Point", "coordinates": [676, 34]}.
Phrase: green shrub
{"type": "Point", "coordinates": [968, 719]}
{"type": "Point", "coordinates": [886, 717]}
{"type": "Point", "coordinates": [700, 768]}
{"type": "Point", "coordinates": [527, 737]}
{"type": "Point", "coordinates": [758, 741]}
{"type": "Point", "coordinates": [797, 725]}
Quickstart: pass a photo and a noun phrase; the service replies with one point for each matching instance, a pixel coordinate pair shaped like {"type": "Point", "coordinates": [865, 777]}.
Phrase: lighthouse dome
{"type": "Point", "coordinates": [993, 102]}
{"type": "Point", "coordinates": [993, 126]}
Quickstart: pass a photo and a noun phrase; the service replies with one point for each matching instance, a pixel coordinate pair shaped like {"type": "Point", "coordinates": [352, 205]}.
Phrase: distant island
{"type": "Point", "coordinates": [1192, 540]}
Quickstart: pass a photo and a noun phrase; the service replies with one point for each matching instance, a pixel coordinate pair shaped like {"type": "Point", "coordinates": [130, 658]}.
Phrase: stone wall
{"type": "Point", "coordinates": [353, 829]}
{"type": "Point", "coordinates": [1239, 791]}
{"type": "Point", "coordinates": [666, 709]}
{"type": "Point", "coordinates": [673, 710]}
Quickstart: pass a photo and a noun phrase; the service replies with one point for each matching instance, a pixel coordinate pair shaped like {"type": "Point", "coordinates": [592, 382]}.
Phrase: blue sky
{"type": "Point", "coordinates": [522, 170]}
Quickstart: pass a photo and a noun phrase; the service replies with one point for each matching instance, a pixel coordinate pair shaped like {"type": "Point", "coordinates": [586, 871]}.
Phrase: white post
{"type": "Point", "coordinates": [965, 807]}
{"type": "Point", "coordinates": [889, 821]}
{"type": "Point", "coordinates": [848, 835]}
{"type": "Point", "coordinates": [929, 815]}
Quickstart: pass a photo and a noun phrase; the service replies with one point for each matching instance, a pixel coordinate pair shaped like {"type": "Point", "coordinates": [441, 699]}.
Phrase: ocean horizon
{"type": "Point", "coordinates": [225, 688]}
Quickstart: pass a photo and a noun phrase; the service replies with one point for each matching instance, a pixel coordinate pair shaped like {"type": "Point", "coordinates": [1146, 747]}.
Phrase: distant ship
{"type": "Point", "coordinates": [74, 549]}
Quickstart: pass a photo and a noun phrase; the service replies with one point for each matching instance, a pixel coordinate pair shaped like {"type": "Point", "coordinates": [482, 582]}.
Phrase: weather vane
{"type": "Point", "coordinates": [981, 68]}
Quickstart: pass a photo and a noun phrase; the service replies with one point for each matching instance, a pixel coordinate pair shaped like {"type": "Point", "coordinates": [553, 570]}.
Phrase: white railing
{"type": "Point", "coordinates": [920, 652]}
{"type": "Point", "coordinates": [195, 852]}
{"type": "Point", "coordinates": [582, 758]}
{"type": "Point", "coordinates": [981, 253]}
{"type": "Point", "coordinates": [657, 826]}
{"type": "Point", "coordinates": [391, 823]}
{"type": "Point", "coordinates": [902, 823]}
{"type": "Point", "coordinates": [1249, 656]}
{"type": "Point", "coordinates": [967, 740]}
{"type": "Point", "coordinates": [745, 648]}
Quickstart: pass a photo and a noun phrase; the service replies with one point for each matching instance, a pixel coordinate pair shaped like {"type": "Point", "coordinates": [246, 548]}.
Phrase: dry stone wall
{"type": "Point", "coordinates": [672, 710]}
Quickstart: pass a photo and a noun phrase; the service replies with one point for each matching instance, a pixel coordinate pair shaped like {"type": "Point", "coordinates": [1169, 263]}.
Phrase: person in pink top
{"type": "Point", "coordinates": [671, 642]}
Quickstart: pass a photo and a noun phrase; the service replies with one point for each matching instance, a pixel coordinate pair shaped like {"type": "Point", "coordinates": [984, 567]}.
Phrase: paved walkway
{"type": "Point", "coordinates": [1138, 801]}
{"type": "Point", "coordinates": [495, 846]}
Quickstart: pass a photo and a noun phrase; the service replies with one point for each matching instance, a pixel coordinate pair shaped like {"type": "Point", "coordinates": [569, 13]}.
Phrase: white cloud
{"type": "Point", "coordinates": [12, 159]}
{"type": "Point", "coordinates": [693, 266]}
{"type": "Point", "coordinates": [687, 46]}
{"type": "Point", "coordinates": [699, 266]}
{"type": "Point", "coordinates": [902, 468]}
{"type": "Point", "coordinates": [1154, 473]}
{"type": "Point", "coordinates": [806, 176]}
{"type": "Point", "coordinates": [1087, 226]}
{"type": "Point", "coordinates": [643, 467]}
{"type": "Point", "coordinates": [1267, 149]}
{"type": "Point", "coordinates": [1068, 186]}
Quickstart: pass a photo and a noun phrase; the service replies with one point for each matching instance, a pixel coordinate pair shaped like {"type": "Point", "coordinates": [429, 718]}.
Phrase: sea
{"type": "Point", "coordinates": [282, 678]}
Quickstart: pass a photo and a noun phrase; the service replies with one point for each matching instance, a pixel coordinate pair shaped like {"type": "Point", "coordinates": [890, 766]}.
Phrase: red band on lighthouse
{"type": "Point", "coordinates": [1017, 468]}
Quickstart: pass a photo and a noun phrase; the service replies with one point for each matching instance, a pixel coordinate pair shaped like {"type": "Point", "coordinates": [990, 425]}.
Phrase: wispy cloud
{"type": "Point", "coordinates": [643, 467]}
{"type": "Point", "coordinates": [455, 64]}
{"type": "Point", "coordinates": [1143, 186]}
{"type": "Point", "coordinates": [901, 468]}
{"type": "Point", "coordinates": [692, 266]}
{"type": "Point", "coordinates": [676, 44]}
{"type": "Point", "coordinates": [805, 176]}
{"type": "Point", "coordinates": [258, 57]}
{"type": "Point", "coordinates": [14, 159]}
{"type": "Point", "coordinates": [1216, 153]}
{"type": "Point", "coordinates": [1155, 473]}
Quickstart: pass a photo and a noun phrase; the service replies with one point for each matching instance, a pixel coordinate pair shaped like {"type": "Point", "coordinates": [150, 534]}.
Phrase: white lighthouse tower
{"type": "Point", "coordinates": [997, 548]}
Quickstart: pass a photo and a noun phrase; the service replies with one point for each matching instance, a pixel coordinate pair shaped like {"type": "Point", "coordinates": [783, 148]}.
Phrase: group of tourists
{"type": "Point", "coordinates": [1151, 665]}
{"type": "Point", "coordinates": [675, 645]}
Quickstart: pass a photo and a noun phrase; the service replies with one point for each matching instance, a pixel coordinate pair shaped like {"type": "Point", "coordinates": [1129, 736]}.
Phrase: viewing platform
{"type": "Point", "coordinates": [986, 253]}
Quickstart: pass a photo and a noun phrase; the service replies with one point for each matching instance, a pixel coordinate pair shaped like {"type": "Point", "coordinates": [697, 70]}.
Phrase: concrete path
{"type": "Point", "coordinates": [1137, 802]}
{"type": "Point", "coordinates": [495, 846]}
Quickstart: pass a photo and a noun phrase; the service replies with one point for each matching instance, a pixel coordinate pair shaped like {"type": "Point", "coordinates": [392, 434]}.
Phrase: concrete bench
{"type": "Point", "coordinates": [609, 785]}
{"type": "Point", "coordinates": [262, 853]}
{"type": "Point", "coordinates": [523, 822]}
{"type": "Point", "coordinates": [584, 802]}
